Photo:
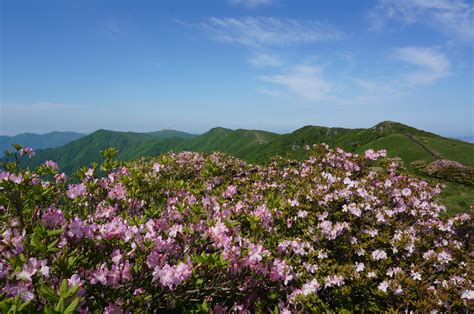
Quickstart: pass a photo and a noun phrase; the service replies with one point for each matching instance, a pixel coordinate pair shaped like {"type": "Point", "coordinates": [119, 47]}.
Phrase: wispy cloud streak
{"type": "Point", "coordinates": [303, 81]}
{"type": "Point", "coordinates": [452, 17]}
{"type": "Point", "coordinates": [431, 64]}
{"type": "Point", "coordinates": [252, 3]}
{"type": "Point", "coordinates": [269, 31]}
{"type": "Point", "coordinates": [261, 59]}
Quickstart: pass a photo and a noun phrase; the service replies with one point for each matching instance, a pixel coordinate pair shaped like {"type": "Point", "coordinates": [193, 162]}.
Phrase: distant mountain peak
{"type": "Point", "coordinates": [388, 125]}
{"type": "Point", "coordinates": [220, 129]}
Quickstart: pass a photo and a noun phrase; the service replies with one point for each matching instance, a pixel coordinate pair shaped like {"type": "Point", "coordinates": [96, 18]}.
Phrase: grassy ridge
{"type": "Point", "coordinates": [256, 146]}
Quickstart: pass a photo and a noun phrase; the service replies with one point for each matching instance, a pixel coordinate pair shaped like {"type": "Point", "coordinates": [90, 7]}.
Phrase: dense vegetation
{"type": "Point", "coordinates": [199, 233]}
{"type": "Point", "coordinates": [254, 146]}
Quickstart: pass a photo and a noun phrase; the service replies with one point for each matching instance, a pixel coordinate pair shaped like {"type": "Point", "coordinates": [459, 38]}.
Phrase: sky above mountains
{"type": "Point", "coordinates": [261, 64]}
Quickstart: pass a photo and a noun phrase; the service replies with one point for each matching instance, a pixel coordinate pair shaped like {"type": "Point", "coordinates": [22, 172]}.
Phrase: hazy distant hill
{"type": "Point", "coordinates": [469, 139]}
{"type": "Point", "coordinates": [36, 141]}
{"type": "Point", "coordinates": [87, 149]}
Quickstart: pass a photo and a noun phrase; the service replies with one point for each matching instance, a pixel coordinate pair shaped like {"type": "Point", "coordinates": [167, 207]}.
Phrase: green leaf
{"type": "Point", "coordinates": [72, 306]}
{"type": "Point", "coordinates": [49, 310]}
{"type": "Point", "coordinates": [17, 146]}
{"type": "Point", "coordinates": [71, 292]}
{"type": "Point", "coordinates": [23, 306]}
{"type": "Point", "coordinates": [64, 288]}
{"type": "Point", "coordinates": [60, 307]}
{"type": "Point", "coordinates": [52, 246]}
{"type": "Point", "coordinates": [71, 261]}
{"type": "Point", "coordinates": [55, 232]}
{"type": "Point", "coordinates": [49, 294]}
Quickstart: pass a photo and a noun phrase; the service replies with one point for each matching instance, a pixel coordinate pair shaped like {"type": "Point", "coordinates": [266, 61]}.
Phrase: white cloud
{"type": "Point", "coordinates": [303, 81]}
{"type": "Point", "coordinates": [271, 92]}
{"type": "Point", "coordinates": [252, 3]}
{"type": "Point", "coordinates": [261, 59]}
{"type": "Point", "coordinates": [269, 31]}
{"type": "Point", "coordinates": [452, 17]}
{"type": "Point", "coordinates": [431, 64]}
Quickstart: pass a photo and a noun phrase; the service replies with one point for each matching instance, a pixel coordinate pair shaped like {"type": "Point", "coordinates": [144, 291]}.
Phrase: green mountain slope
{"type": "Point", "coordinates": [402, 141]}
{"type": "Point", "coordinates": [239, 143]}
{"type": "Point", "coordinates": [37, 141]}
{"type": "Point", "coordinates": [255, 146]}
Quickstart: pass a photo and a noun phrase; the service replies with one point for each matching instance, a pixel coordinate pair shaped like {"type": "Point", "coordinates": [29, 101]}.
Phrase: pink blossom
{"type": "Point", "coordinates": [27, 151]}
{"type": "Point", "coordinates": [113, 308]}
{"type": "Point", "coordinates": [171, 276]}
{"type": "Point", "coordinates": [99, 275]}
{"type": "Point", "coordinates": [76, 190]}
{"type": "Point", "coordinates": [60, 177]}
{"type": "Point", "coordinates": [126, 272]}
{"type": "Point", "coordinates": [310, 287]}
{"type": "Point", "coordinates": [16, 178]}
{"type": "Point", "coordinates": [157, 167]}
{"type": "Point", "coordinates": [174, 230]}
{"type": "Point", "coordinates": [76, 228]}
{"type": "Point", "coordinates": [398, 290]}
{"type": "Point", "coordinates": [293, 202]}
{"type": "Point", "coordinates": [468, 295]}
{"type": "Point", "coordinates": [116, 256]}
{"type": "Point", "coordinates": [21, 289]}
{"type": "Point", "coordinates": [444, 257]}
{"type": "Point", "coordinates": [113, 276]}
{"type": "Point", "coordinates": [302, 214]}
{"type": "Point", "coordinates": [4, 269]}
{"type": "Point", "coordinates": [264, 214]}
{"type": "Point", "coordinates": [334, 280]}
{"type": "Point", "coordinates": [256, 253]}
{"type": "Point", "coordinates": [383, 286]}
{"type": "Point", "coordinates": [31, 268]}
{"type": "Point", "coordinates": [75, 280]}
{"type": "Point", "coordinates": [51, 164]}
{"type": "Point", "coordinates": [53, 217]}
{"type": "Point", "coordinates": [374, 155]}
{"type": "Point", "coordinates": [117, 192]}
{"type": "Point", "coordinates": [229, 192]}
{"type": "Point", "coordinates": [280, 271]}
{"type": "Point", "coordinates": [359, 267]}
{"type": "Point", "coordinates": [378, 255]}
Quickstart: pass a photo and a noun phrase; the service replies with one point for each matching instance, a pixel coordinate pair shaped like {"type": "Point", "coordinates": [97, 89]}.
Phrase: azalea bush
{"type": "Point", "coordinates": [447, 170]}
{"type": "Point", "coordinates": [210, 233]}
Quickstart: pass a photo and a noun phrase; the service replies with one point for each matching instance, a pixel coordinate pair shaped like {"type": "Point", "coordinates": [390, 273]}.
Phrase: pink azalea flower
{"type": "Point", "coordinates": [76, 190]}
{"type": "Point", "coordinates": [229, 192]}
{"type": "Point", "coordinates": [378, 255]}
{"type": "Point", "coordinates": [51, 164]}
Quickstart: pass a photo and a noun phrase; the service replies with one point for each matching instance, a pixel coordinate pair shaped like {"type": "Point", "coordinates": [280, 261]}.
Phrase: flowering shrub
{"type": "Point", "coordinates": [452, 171]}
{"type": "Point", "coordinates": [447, 170]}
{"type": "Point", "coordinates": [209, 233]}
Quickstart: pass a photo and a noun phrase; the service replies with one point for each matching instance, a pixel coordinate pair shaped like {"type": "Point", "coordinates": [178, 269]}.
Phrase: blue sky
{"type": "Point", "coordinates": [261, 64]}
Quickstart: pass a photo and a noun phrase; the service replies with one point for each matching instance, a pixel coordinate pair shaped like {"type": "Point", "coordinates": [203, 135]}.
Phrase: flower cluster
{"type": "Point", "coordinates": [195, 232]}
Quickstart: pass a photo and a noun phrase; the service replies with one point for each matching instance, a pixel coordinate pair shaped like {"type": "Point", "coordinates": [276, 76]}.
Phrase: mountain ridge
{"type": "Point", "coordinates": [259, 146]}
{"type": "Point", "coordinates": [255, 146]}
{"type": "Point", "coordinates": [39, 141]}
